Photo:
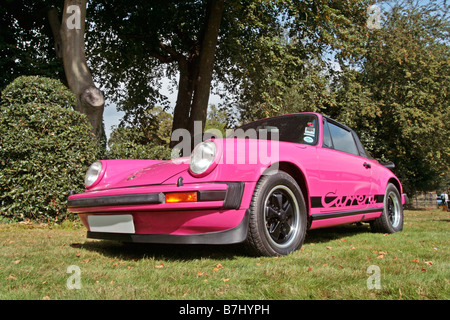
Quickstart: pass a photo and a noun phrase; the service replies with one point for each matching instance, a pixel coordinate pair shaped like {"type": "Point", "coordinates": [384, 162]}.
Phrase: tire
{"type": "Point", "coordinates": [391, 220]}
{"type": "Point", "coordinates": [277, 224]}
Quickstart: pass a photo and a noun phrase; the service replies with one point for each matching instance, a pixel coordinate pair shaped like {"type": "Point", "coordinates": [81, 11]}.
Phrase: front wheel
{"type": "Point", "coordinates": [391, 220]}
{"type": "Point", "coordinates": [277, 216]}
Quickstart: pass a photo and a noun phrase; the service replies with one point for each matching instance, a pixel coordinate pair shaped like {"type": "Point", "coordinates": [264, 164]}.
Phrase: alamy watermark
{"type": "Point", "coordinates": [74, 281]}
{"type": "Point", "coordinates": [374, 280]}
{"type": "Point", "coordinates": [236, 150]}
{"type": "Point", "coordinates": [374, 19]}
{"type": "Point", "coordinates": [74, 20]}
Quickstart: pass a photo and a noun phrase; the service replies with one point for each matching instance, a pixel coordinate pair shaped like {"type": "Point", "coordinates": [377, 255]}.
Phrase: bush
{"type": "Point", "coordinates": [45, 149]}
{"type": "Point", "coordinates": [131, 143]}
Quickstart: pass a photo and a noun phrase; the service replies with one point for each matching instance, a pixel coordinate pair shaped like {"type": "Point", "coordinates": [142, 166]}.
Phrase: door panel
{"type": "Point", "coordinates": [345, 176]}
{"type": "Point", "coordinates": [345, 181]}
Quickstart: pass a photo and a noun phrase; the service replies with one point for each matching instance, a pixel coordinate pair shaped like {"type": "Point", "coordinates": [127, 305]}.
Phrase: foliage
{"type": "Point", "coordinates": [283, 63]}
{"type": "Point", "coordinates": [217, 119]}
{"type": "Point", "coordinates": [131, 143]}
{"type": "Point", "coordinates": [45, 149]}
{"type": "Point", "coordinates": [398, 100]}
{"type": "Point", "coordinates": [26, 47]}
{"type": "Point", "coordinates": [148, 141]}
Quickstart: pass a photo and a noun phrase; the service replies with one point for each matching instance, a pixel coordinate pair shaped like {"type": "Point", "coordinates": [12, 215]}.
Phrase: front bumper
{"type": "Point", "coordinates": [218, 215]}
{"type": "Point", "coordinates": [237, 234]}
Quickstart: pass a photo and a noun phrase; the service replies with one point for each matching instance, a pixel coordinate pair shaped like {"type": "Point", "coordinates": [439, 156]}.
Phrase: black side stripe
{"type": "Point", "coordinates": [345, 201]}
{"type": "Point", "coordinates": [321, 216]}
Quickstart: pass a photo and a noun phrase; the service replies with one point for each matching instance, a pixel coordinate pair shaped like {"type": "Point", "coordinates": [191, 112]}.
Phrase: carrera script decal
{"type": "Point", "coordinates": [331, 200]}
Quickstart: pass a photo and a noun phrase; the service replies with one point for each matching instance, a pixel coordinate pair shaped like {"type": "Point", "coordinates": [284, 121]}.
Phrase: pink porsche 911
{"type": "Point", "coordinates": [265, 185]}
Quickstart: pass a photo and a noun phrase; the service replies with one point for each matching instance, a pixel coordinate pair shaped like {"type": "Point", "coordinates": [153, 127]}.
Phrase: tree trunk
{"type": "Point", "coordinates": [202, 82]}
{"type": "Point", "coordinates": [69, 43]}
{"type": "Point", "coordinates": [184, 97]}
{"type": "Point", "coordinates": [196, 74]}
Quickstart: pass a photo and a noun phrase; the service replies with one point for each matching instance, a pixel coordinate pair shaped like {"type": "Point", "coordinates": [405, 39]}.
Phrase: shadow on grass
{"type": "Point", "coordinates": [168, 252]}
{"type": "Point", "coordinates": [335, 233]}
{"type": "Point", "coordinates": [179, 252]}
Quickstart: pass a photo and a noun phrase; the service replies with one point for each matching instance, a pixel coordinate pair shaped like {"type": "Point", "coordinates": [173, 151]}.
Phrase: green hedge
{"type": "Point", "coordinates": [131, 143]}
{"type": "Point", "coordinates": [45, 149]}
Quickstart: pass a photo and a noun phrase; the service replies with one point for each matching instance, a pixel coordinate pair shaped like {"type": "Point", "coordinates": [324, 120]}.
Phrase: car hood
{"type": "Point", "coordinates": [154, 173]}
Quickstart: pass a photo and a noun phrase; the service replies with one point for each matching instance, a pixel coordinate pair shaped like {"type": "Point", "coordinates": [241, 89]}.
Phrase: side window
{"type": "Point", "coordinates": [343, 139]}
{"type": "Point", "coordinates": [327, 143]}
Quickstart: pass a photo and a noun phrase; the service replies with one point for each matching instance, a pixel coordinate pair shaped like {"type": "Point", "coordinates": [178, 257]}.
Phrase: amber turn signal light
{"type": "Point", "coordinates": [173, 197]}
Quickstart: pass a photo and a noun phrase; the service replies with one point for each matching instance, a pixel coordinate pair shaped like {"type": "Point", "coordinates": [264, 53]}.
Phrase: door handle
{"type": "Point", "coordinates": [367, 165]}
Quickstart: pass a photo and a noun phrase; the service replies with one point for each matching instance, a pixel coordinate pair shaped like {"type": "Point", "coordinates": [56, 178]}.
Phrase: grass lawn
{"type": "Point", "coordinates": [346, 262]}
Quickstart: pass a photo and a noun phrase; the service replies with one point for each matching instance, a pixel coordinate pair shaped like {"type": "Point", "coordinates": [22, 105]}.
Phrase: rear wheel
{"type": "Point", "coordinates": [391, 220]}
{"type": "Point", "coordinates": [277, 216]}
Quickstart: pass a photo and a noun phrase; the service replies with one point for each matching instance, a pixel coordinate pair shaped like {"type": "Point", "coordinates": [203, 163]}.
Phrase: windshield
{"type": "Point", "coordinates": [297, 128]}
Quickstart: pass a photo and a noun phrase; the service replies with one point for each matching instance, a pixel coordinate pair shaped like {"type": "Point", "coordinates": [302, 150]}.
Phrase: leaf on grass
{"type": "Point", "coordinates": [329, 248]}
{"type": "Point", "coordinates": [429, 263]}
{"type": "Point", "coordinates": [11, 277]}
{"type": "Point", "coordinates": [16, 262]}
{"type": "Point", "coordinates": [219, 266]}
{"type": "Point", "coordinates": [415, 260]}
{"type": "Point", "coordinates": [159, 266]}
{"type": "Point", "coordinates": [226, 279]}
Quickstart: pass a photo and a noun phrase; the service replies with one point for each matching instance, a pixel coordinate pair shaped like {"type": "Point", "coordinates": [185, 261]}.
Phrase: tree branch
{"type": "Point", "coordinates": [53, 20]}
{"type": "Point", "coordinates": [178, 56]}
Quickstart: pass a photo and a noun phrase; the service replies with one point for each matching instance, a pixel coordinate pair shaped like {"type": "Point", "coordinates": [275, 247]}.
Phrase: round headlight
{"type": "Point", "coordinates": [92, 174]}
{"type": "Point", "coordinates": [202, 157]}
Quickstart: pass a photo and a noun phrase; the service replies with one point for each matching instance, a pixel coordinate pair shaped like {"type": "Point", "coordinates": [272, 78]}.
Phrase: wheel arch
{"type": "Point", "coordinates": [297, 174]}
{"type": "Point", "coordinates": [396, 183]}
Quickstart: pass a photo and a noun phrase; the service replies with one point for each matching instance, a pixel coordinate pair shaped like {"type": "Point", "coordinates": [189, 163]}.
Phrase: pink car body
{"type": "Point", "coordinates": [131, 200]}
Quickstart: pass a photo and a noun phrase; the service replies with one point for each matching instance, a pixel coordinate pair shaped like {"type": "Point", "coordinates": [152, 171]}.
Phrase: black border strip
{"type": "Point", "coordinates": [211, 195]}
{"type": "Point", "coordinates": [233, 198]}
{"type": "Point", "coordinates": [330, 215]}
{"type": "Point", "coordinates": [129, 199]}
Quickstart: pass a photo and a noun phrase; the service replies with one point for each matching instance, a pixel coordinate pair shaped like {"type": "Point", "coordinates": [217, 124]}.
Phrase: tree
{"type": "Point", "coordinates": [263, 50]}
{"type": "Point", "coordinates": [398, 100]}
{"type": "Point", "coordinates": [25, 48]}
{"type": "Point", "coordinates": [143, 39]}
{"type": "Point", "coordinates": [28, 48]}
{"type": "Point", "coordinates": [69, 45]}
